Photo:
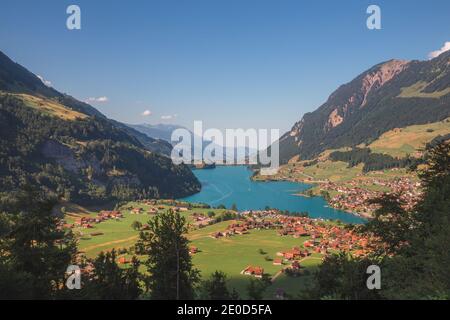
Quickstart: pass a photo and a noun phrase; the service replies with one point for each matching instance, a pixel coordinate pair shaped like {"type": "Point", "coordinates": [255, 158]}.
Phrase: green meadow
{"type": "Point", "coordinates": [230, 255]}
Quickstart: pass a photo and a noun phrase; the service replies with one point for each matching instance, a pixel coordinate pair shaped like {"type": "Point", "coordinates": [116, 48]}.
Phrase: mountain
{"type": "Point", "coordinates": [390, 95]}
{"type": "Point", "coordinates": [164, 132]}
{"type": "Point", "coordinates": [16, 79]}
{"type": "Point", "coordinates": [69, 149]}
{"type": "Point", "coordinates": [152, 143]}
{"type": "Point", "coordinates": [157, 131]}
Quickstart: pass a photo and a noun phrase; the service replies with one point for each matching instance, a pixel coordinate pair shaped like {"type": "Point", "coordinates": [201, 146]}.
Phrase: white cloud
{"type": "Point", "coordinates": [46, 82]}
{"type": "Point", "coordinates": [146, 113]}
{"type": "Point", "coordinates": [99, 99]}
{"type": "Point", "coordinates": [434, 54]}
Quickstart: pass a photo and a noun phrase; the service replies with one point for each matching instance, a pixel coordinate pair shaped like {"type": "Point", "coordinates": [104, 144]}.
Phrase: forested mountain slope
{"type": "Point", "coordinates": [69, 149]}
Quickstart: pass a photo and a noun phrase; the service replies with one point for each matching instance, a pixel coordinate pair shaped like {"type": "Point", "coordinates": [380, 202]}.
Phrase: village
{"type": "Point", "coordinates": [352, 192]}
{"type": "Point", "coordinates": [317, 238]}
{"type": "Point", "coordinates": [354, 197]}
{"type": "Point", "coordinates": [323, 238]}
{"type": "Point", "coordinates": [153, 207]}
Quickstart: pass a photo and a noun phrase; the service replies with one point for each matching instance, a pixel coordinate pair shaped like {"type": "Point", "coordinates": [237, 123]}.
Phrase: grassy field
{"type": "Point", "coordinates": [230, 255]}
{"type": "Point", "coordinates": [335, 171]}
{"type": "Point", "coordinates": [49, 107]}
{"type": "Point", "coordinates": [116, 233]}
{"type": "Point", "coordinates": [400, 142]}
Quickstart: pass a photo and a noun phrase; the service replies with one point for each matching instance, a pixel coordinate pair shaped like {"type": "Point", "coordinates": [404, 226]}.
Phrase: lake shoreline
{"type": "Point", "coordinates": [313, 184]}
{"type": "Point", "coordinates": [228, 185]}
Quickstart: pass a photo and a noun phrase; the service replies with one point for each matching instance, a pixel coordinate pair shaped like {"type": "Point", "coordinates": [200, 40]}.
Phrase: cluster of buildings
{"type": "Point", "coordinates": [243, 226]}
{"type": "Point", "coordinates": [153, 209]}
{"type": "Point", "coordinates": [140, 210]}
{"type": "Point", "coordinates": [88, 222]}
{"type": "Point", "coordinates": [232, 229]}
{"type": "Point", "coordinates": [292, 254]}
{"type": "Point", "coordinates": [200, 220]}
{"type": "Point", "coordinates": [355, 198]}
{"type": "Point", "coordinates": [322, 238]}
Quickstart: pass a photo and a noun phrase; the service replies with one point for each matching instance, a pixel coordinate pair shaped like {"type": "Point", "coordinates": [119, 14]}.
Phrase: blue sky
{"type": "Point", "coordinates": [230, 63]}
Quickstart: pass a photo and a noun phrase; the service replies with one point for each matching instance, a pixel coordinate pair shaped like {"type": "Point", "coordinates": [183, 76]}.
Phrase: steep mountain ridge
{"type": "Point", "coordinates": [14, 78]}
{"type": "Point", "coordinates": [390, 95]}
{"type": "Point", "coordinates": [17, 79]}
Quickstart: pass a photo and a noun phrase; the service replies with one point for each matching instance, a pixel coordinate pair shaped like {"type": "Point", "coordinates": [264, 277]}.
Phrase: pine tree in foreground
{"type": "Point", "coordinates": [171, 273]}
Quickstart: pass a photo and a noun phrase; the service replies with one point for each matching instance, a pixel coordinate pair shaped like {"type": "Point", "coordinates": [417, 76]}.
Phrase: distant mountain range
{"type": "Point", "coordinates": [164, 132]}
{"type": "Point", "coordinates": [68, 148]}
{"type": "Point", "coordinates": [157, 131]}
{"type": "Point", "coordinates": [392, 94]}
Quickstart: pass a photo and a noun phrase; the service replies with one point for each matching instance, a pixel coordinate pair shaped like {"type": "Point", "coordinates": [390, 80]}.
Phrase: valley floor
{"type": "Point", "coordinates": [229, 246]}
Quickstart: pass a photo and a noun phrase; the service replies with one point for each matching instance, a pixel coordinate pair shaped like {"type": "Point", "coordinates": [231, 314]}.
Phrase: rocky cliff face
{"type": "Point", "coordinates": [375, 80]}
{"type": "Point", "coordinates": [371, 104]}
{"type": "Point", "coordinates": [369, 82]}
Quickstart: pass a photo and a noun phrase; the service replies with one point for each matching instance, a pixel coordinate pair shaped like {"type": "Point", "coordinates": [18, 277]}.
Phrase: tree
{"type": "Point", "coordinates": [257, 287]}
{"type": "Point", "coordinates": [171, 273]}
{"type": "Point", "coordinates": [39, 251]}
{"type": "Point", "coordinates": [421, 269]}
{"type": "Point", "coordinates": [392, 223]}
{"type": "Point", "coordinates": [234, 207]}
{"type": "Point", "coordinates": [136, 225]}
{"type": "Point", "coordinates": [211, 214]}
{"type": "Point", "coordinates": [415, 254]}
{"type": "Point", "coordinates": [216, 288]}
{"type": "Point", "coordinates": [343, 277]}
{"type": "Point", "coordinates": [15, 284]}
{"type": "Point", "coordinates": [326, 195]}
{"type": "Point", "coordinates": [109, 281]}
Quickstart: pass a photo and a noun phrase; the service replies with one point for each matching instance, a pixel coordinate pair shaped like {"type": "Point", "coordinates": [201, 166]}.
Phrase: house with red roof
{"type": "Point", "coordinates": [255, 271]}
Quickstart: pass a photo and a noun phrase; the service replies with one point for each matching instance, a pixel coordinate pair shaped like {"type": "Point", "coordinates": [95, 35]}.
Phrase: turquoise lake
{"type": "Point", "coordinates": [232, 184]}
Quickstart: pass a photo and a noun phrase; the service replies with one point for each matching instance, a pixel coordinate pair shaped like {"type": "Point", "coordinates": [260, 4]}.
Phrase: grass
{"type": "Point", "coordinates": [49, 107]}
{"type": "Point", "coordinates": [230, 255]}
{"type": "Point", "coordinates": [116, 233]}
{"type": "Point", "coordinates": [335, 171]}
{"type": "Point", "coordinates": [400, 142]}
